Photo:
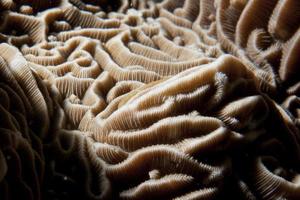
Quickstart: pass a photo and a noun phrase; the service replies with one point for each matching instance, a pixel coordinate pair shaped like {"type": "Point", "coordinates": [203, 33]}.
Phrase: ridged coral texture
{"type": "Point", "coordinates": [144, 99]}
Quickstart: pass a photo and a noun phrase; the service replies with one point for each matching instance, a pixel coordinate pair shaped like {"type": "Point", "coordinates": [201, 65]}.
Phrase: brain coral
{"type": "Point", "coordinates": [141, 99]}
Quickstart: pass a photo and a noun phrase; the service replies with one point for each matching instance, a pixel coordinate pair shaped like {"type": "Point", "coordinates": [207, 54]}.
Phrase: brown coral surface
{"type": "Point", "coordinates": [141, 99]}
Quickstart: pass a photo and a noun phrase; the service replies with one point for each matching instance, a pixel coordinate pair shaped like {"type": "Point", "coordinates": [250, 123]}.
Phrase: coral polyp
{"type": "Point", "coordinates": [141, 99]}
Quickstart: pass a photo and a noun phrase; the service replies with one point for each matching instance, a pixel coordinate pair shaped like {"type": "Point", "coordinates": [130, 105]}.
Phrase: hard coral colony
{"type": "Point", "coordinates": [137, 99]}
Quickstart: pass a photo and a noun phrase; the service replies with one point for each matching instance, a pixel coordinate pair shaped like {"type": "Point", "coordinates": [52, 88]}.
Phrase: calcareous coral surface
{"type": "Point", "coordinates": [141, 99]}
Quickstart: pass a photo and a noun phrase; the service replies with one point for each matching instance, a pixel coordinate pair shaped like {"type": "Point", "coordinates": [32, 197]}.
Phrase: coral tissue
{"type": "Point", "coordinates": [141, 99]}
